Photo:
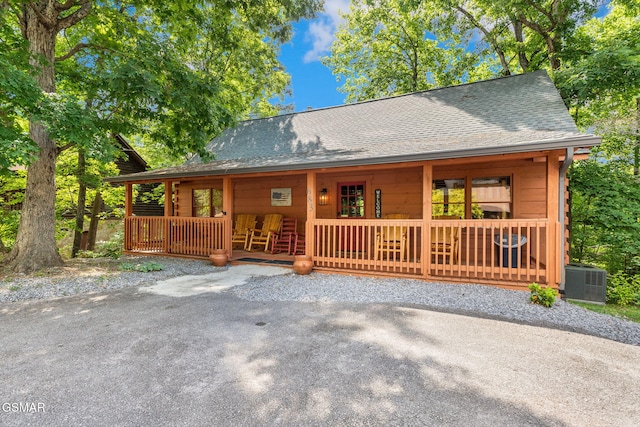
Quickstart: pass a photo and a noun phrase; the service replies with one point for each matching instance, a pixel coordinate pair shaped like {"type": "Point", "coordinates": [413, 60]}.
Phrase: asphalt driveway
{"type": "Point", "coordinates": [130, 357]}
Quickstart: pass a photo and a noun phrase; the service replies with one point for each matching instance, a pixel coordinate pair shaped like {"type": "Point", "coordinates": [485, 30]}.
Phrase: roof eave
{"type": "Point", "coordinates": [572, 142]}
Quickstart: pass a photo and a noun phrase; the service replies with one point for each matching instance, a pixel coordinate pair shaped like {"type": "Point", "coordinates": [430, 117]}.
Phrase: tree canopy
{"type": "Point", "coordinates": [176, 73]}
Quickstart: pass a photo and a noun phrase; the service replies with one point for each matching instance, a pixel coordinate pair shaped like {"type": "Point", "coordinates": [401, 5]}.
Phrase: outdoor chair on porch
{"type": "Point", "coordinates": [285, 239]}
{"type": "Point", "coordinates": [444, 241]}
{"type": "Point", "coordinates": [392, 240]}
{"type": "Point", "coordinates": [262, 236]}
{"type": "Point", "coordinates": [243, 223]}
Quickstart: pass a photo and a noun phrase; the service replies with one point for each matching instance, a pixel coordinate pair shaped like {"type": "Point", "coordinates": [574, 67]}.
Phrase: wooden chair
{"type": "Point", "coordinates": [243, 223]}
{"type": "Point", "coordinates": [285, 239]}
{"type": "Point", "coordinates": [392, 239]}
{"type": "Point", "coordinates": [262, 236]}
{"type": "Point", "coordinates": [445, 241]}
{"type": "Point", "coordinates": [299, 245]}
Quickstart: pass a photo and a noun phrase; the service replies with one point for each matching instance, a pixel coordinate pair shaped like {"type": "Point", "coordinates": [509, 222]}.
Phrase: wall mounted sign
{"type": "Point", "coordinates": [281, 197]}
{"type": "Point", "coordinates": [378, 203]}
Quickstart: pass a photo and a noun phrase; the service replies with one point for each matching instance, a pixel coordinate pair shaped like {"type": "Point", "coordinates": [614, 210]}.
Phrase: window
{"type": "Point", "coordinates": [448, 198]}
{"type": "Point", "coordinates": [351, 200]}
{"type": "Point", "coordinates": [207, 202]}
{"type": "Point", "coordinates": [490, 198]}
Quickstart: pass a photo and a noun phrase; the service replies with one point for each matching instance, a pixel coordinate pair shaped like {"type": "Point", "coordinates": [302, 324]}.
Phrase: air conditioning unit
{"type": "Point", "coordinates": [585, 282]}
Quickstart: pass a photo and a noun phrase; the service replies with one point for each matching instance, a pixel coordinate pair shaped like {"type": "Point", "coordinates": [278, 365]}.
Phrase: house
{"type": "Point", "coordinates": [132, 162]}
{"type": "Point", "coordinates": [464, 183]}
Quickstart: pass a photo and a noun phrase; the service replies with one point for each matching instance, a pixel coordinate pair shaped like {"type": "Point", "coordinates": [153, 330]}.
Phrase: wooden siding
{"type": "Point", "coordinates": [341, 244]}
{"type": "Point", "coordinates": [401, 191]}
{"type": "Point", "coordinates": [184, 194]}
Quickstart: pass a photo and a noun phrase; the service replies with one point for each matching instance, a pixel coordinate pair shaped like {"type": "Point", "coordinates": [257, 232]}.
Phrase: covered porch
{"type": "Point", "coordinates": [436, 220]}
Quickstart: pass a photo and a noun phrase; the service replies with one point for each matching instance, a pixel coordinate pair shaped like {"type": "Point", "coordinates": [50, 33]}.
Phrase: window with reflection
{"type": "Point", "coordinates": [448, 198]}
{"type": "Point", "coordinates": [492, 195]}
{"type": "Point", "coordinates": [207, 202]}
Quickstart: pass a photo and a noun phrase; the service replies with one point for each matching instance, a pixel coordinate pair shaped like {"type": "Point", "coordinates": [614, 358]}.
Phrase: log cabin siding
{"type": "Point", "coordinates": [401, 191]}
{"type": "Point", "coordinates": [251, 195]}
{"type": "Point", "coordinates": [184, 194]}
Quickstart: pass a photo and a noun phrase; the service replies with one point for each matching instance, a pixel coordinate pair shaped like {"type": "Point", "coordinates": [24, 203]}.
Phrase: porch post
{"type": "Point", "coordinates": [168, 211]}
{"type": "Point", "coordinates": [425, 249]}
{"type": "Point", "coordinates": [227, 207]}
{"type": "Point", "coordinates": [128, 199]}
{"type": "Point", "coordinates": [554, 261]}
{"type": "Point", "coordinates": [311, 214]}
{"type": "Point", "coordinates": [128, 212]}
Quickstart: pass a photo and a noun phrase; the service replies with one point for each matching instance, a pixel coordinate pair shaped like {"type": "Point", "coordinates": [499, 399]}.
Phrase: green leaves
{"type": "Point", "coordinates": [388, 48]}
{"type": "Point", "coordinates": [605, 214]}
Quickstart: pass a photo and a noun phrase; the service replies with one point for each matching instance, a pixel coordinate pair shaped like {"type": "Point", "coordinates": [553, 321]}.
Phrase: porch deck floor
{"type": "Point", "coordinates": [261, 257]}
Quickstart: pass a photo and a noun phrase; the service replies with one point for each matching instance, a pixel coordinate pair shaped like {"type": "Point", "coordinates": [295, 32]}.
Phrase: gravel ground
{"type": "Point", "coordinates": [476, 300]}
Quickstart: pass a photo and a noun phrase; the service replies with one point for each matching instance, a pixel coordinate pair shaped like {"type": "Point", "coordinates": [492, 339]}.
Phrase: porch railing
{"type": "Point", "coordinates": [174, 235]}
{"type": "Point", "coordinates": [500, 250]}
{"type": "Point", "coordinates": [508, 250]}
{"type": "Point", "coordinates": [391, 246]}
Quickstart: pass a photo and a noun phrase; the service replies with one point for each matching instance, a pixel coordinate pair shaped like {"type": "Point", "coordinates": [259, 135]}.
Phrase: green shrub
{"type": "Point", "coordinates": [88, 254]}
{"type": "Point", "coordinates": [113, 247]}
{"type": "Point", "coordinates": [544, 296]}
{"type": "Point", "coordinates": [145, 267]}
{"type": "Point", "coordinates": [623, 289]}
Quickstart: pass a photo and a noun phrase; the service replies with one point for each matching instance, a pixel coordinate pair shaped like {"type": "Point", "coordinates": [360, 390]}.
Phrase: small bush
{"type": "Point", "coordinates": [113, 247]}
{"type": "Point", "coordinates": [544, 296]}
{"type": "Point", "coordinates": [88, 254]}
{"type": "Point", "coordinates": [144, 267]}
{"type": "Point", "coordinates": [623, 289]}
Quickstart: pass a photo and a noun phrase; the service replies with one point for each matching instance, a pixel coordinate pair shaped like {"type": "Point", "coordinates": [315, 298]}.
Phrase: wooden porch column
{"type": "Point", "coordinates": [128, 199]}
{"type": "Point", "coordinates": [311, 213]}
{"type": "Point", "coordinates": [227, 207]}
{"type": "Point", "coordinates": [128, 211]}
{"type": "Point", "coordinates": [425, 249]}
{"type": "Point", "coordinates": [554, 261]}
{"type": "Point", "coordinates": [168, 211]}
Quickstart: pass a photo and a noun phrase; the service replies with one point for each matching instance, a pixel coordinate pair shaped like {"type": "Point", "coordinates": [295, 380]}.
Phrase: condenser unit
{"type": "Point", "coordinates": [586, 283]}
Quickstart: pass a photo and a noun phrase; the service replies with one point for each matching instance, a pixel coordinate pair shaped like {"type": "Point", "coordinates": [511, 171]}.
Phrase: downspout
{"type": "Point", "coordinates": [568, 160]}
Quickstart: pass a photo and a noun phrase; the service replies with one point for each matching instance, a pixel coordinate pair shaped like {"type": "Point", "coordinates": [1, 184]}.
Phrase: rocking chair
{"type": "Point", "coordinates": [285, 240]}
{"type": "Point", "coordinates": [244, 223]}
{"type": "Point", "coordinates": [262, 236]}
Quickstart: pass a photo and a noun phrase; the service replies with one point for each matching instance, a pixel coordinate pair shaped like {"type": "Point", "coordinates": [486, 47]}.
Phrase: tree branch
{"type": "Point", "coordinates": [44, 20]}
{"type": "Point", "coordinates": [537, 7]}
{"type": "Point", "coordinates": [73, 51]}
{"type": "Point", "coordinates": [67, 5]}
{"type": "Point", "coordinates": [75, 17]}
{"type": "Point", "coordinates": [490, 38]}
{"type": "Point", "coordinates": [65, 147]}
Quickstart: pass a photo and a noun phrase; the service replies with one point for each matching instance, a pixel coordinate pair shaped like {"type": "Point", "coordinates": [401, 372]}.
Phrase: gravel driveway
{"type": "Point", "coordinates": [245, 356]}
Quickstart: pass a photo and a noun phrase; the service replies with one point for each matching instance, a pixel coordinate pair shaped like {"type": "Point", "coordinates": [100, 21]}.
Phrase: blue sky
{"type": "Point", "coordinates": [312, 83]}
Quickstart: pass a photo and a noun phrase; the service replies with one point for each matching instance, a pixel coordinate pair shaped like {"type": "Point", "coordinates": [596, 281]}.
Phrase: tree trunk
{"type": "Point", "coordinates": [82, 199]}
{"type": "Point", "coordinates": [93, 222]}
{"type": "Point", "coordinates": [35, 246]}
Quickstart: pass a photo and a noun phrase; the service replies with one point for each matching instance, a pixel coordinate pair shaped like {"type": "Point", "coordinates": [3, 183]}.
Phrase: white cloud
{"type": "Point", "coordinates": [321, 30]}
